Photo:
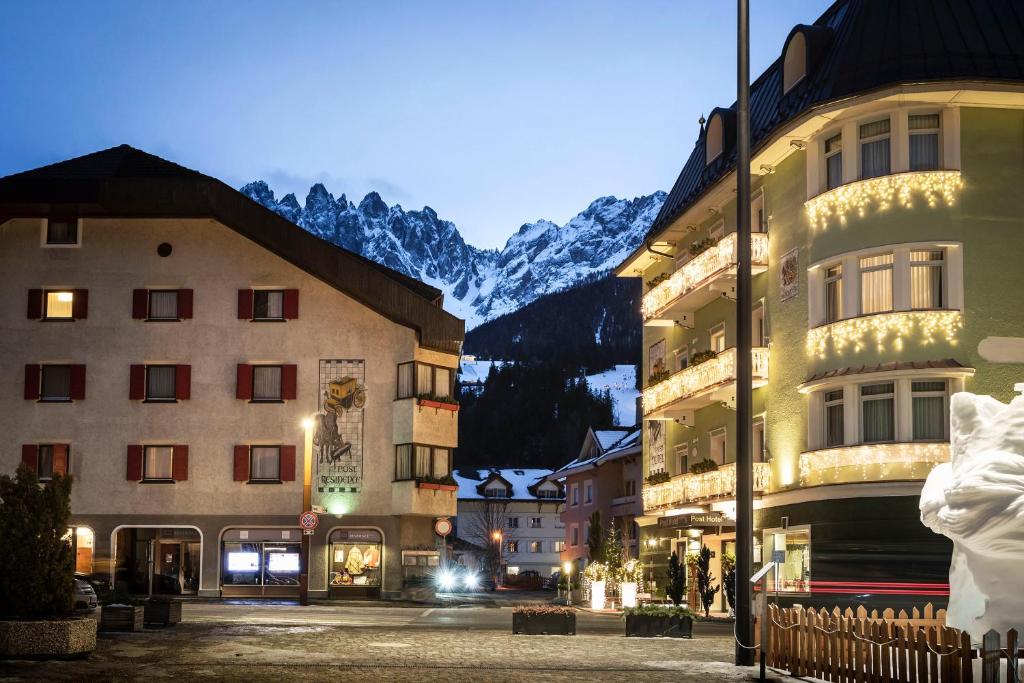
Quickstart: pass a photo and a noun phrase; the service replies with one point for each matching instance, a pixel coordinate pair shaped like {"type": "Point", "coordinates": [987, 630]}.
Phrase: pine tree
{"type": "Point", "coordinates": [613, 556]}
{"type": "Point", "coordinates": [705, 591]}
{"type": "Point", "coordinates": [676, 580]}
{"type": "Point", "coordinates": [729, 578]}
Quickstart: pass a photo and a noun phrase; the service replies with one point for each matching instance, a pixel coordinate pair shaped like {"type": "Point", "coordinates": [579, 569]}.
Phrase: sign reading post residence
{"type": "Point", "coordinates": [338, 435]}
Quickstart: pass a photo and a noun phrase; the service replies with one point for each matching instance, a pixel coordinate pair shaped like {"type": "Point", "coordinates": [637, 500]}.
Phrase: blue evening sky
{"type": "Point", "coordinates": [493, 113]}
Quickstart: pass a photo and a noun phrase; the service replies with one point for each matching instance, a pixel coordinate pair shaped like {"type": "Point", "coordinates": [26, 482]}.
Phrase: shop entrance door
{"type": "Point", "coordinates": [168, 578]}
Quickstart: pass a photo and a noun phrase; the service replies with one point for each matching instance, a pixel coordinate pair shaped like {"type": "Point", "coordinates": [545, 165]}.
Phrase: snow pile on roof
{"type": "Point", "coordinates": [609, 437]}
{"type": "Point", "coordinates": [521, 480]}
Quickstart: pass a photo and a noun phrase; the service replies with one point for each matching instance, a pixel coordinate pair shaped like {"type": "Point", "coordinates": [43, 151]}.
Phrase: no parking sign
{"type": "Point", "coordinates": [308, 521]}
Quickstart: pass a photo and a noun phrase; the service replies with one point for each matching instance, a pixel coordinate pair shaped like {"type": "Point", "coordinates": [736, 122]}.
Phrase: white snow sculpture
{"type": "Point", "coordinates": [977, 500]}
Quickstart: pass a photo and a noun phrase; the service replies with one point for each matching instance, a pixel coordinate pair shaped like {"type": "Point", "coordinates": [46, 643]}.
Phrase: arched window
{"type": "Point", "coordinates": [713, 138]}
{"type": "Point", "coordinates": [794, 64]}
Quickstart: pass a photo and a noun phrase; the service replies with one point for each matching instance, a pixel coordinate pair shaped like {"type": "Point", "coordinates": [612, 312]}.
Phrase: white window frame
{"type": "Point", "coordinates": [717, 332]}
{"type": "Point", "coordinates": [829, 279]}
{"type": "Point", "coordinates": [937, 132]}
{"type": "Point", "coordinates": [574, 499]}
{"type": "Point", "coordinates": [944, 394]}
{"type": "Point", "coordinates": [888, 136]}
{"type": "Point", "coordinates": [831, 403]}
{"type": "Point", "coordinates": [682, 455]}
{"type": "Point", "coordinates": [826, 155]}
{"type": "Point", "coordinates": [931, 263]}
{"type": "Point", "coordinates": [759, 425]}
{"type": "Point", "coordinates": [863, 270]}
{"type": "Point", "coordinates": [574, 535]}
{"type": "Point", "coordinates": [861, 400]}
{"type": "Point", "coordinates": [588, 492]}
{"type": "Point", "coordinates": [43, 225]}
{"type": "Point", "coordinates": [757, 204]}
{"type": "Point", "coordinates": [719, 434]}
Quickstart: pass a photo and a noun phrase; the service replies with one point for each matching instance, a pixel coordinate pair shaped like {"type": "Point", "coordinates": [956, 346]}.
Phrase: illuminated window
{"type": "Point", "coordinates": [833, 293]}
{"type": "Point", "coordinates": [876, 284]}
{"type": "Point", "coordinates": [926, 278]}
{"type": "Point", "coordinates": [559, 546]}
{"type": "Point", "coordinates": [874, 149]}
{"type": "Point", "coordinates": [929, 409]}
{"type": "Point", "coordinates": [877, 412]}
{"type": "Point", "coordinates": [512, 546]}
{"type": "Point", "coordinates": [535, 522]}
{"type": "Point", "coordinates": [536, 547]}
{"type": "Point", "coordinates": [157, 463]}
{"type": "Point", "coordinates": [791, 550]}
{"type": "Point", "coordinates": [834, 162]}
{"type": "Point", "coordinates": [59, 305]}
{"type": "Point", "coordinates": [924, 142]}
{"type": "Point", "coordinates": [834, 418]}
{"type": "Point", "coordinates": [421, 379]}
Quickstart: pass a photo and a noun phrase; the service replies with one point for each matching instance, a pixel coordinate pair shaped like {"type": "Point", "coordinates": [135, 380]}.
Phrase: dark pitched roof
{"type": "Point", "coordinates": [862, 45]}
{"type": "Point", "coordinates": [127, 182]}
{"type": "Point", "coordinates": [946, 363]}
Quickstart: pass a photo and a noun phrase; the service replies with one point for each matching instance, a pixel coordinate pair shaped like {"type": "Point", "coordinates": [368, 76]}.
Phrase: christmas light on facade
{"type": "Point", "coordinates": [885, 329]}
{"type": "Point", "coordinates": [689, 488]}
{"type": "Point", "coordinates": [871, 462]}
{"type": "Point", "coordinates": [883, 193]}
{"type": "Point", "coordinates": [703, 376]}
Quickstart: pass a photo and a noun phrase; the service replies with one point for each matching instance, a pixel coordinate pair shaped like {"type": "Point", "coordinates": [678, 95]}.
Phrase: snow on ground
{"type": "Point", "coordinates": [621, 381]}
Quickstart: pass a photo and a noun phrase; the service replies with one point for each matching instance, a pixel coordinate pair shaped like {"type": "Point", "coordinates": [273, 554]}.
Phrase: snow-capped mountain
{"type": "Point", "coordinates": [479, 284]}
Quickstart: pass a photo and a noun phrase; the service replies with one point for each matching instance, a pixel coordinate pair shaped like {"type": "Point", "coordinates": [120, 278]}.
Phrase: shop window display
{"type": "Point", "coordinates": [356, 559]}
{"type": "Point", "coordinates": [791, 549]}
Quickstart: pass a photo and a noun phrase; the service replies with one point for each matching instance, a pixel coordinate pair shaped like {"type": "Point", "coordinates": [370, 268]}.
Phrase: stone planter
{"type": "Point", "coordinates": [49, 639]}
{"type": "Point", "coordinates": [121, 618]}
{"type": "Point", "coordinates": [162, 612]}
{"type": "Point", "coordinates": [649, 626]}
{"type": "Point", "coordinates": [544, 624]}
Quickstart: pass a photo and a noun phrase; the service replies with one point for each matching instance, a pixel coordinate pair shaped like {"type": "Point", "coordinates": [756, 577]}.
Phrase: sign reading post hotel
{"type": "Point", "coordinates": [338, 435]}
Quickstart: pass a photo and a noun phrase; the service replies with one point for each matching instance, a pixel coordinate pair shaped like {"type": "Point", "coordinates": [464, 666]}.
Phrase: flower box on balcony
{"type": "Point", "coordinates": [431, 486]}
{"type": "Point", "coordinates": [438, 405]}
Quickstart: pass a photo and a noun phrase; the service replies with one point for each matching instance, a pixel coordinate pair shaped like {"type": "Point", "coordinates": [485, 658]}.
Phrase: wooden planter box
{"type": "Point", "coordinates": [647, 626]}
{"type": "Point", "coordinates": [425, 403]}
{"type": "Point", "coordinates": [436, 487]}
{"type": "Point", "coordinates": [121, 618]}
{"type": "Point", "coordinates": [162, 613]}
{"type": "Point", "coordinates": [47, 639]}
{"type": "Point", "coordinates": [544, 624]}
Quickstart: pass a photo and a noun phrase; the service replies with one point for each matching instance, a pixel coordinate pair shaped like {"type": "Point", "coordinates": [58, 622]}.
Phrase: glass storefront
{"type": "Point", "coordinates": [152, 561]}
{"type": "Point", "coordinates": [355, 563]}
{"type": "Point", "coordinates": [261, 562]}
{"type": "Point", "coordinates": [791, 549]}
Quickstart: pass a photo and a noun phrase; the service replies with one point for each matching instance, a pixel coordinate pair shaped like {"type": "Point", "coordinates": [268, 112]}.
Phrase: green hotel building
{"type": "Point", "coordinates": [888, 237]}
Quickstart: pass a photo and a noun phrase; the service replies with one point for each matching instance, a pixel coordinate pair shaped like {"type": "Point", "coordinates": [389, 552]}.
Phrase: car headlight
{"type": "Point", "coordinates": [446, 580]}
{"type": "Point", "coordinates": [471, 581]}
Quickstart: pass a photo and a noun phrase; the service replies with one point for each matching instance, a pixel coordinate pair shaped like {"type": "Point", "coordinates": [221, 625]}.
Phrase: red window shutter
{"type": "Point", "coordinates": [183, 382]}
{"type": "Point", "coordinates": [291, 304]}
{"type": "Point", "coordinates": [179, 463]}
{"type": "Point", "coordinates": [32, 378]}
{"type": "Point", "coordinates": [134, 463]}
{"type": "Point", "coordinates": [137, 383]}
{"type": "Point", "coordinates": [35, 304]}
{"type": "Point", "coordinates": [241, 463]}
{"type": "Point", "coordinates": [77, 382]}
{"type": "Point", "coordinates": [289, 379]}
{"type": "Point", "coordinates": [184, 304]}
{"type": "Point", "coordinates": [80, 304]}
{"type": "Point", "coordinates": [287, 463]}
{"type": "Point", "coordinates": [60, 458]}
{"type": "Point", "coordinates": [30, 456]}
{"type": "Point", "coordinates": [243, 389]}
{"type": "Point", "coordinates": [140, 304]}
{"type": "Point", "coordinates": [245, 304]}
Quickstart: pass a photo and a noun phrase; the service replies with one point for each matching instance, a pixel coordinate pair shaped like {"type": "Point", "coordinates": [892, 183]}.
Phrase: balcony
{"type": "Point", "coordinates": [690, 489]}
{"type": "Point", "coordinates": [408, 498]}
{"type": "Point", "coordinates": [881, 193]}
{"type": "Point", "coordinates": [871, 462]}
{"type": "Point", "coordinates": [418, 421]}
{"type": "Point", "coordinates": [700, 281]}
{"type": "Point", "coordinates": [699, 386]}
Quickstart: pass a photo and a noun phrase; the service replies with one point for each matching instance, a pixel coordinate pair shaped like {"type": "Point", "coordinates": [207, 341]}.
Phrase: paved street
{"type": "Point", "coordinates": [260, 642]}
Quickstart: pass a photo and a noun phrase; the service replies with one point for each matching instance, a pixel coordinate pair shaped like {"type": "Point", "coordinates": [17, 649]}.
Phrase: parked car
{"type": "Point", "coordinates": [526, 580]}
{"type": "Point", "coordinates": [551, 583]}
{"type": "Point", "coordinates": [84, 598]}
{"type": "Point", "coordinates": [100, 583]}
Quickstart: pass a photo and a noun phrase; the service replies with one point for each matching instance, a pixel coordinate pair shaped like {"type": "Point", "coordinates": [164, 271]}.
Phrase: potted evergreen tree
{"type": "Point", "coordinates": [705, 591]}
{"type": "Point", "coordinates": [36, 571]}
{"type": "Point", "coordinates": [729, 580]}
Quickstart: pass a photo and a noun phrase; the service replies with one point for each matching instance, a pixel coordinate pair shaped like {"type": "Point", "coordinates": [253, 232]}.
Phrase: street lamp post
{"type": "Point", "coordinates": [744, 363]}
{"type": "Point", "coordinates": [307, 504]}
{"type": "Point", "coordinates": [497, 536]}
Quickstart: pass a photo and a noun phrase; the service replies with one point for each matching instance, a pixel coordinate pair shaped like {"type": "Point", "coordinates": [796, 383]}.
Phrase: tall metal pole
{"type": "Point", "coordinates": [307, 504]}
{"type": "Point", "coordinates": [744, 369]}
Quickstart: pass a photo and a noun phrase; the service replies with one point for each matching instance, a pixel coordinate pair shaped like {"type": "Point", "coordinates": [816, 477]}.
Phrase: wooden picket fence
{"type": "Point", "coordinates": [858, 647]}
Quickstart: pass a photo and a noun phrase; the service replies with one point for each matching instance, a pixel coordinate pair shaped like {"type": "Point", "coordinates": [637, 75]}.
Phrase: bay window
{"type": "Point", "coordinates": [834, 418]}
{"type": "Point", "coordinates": [924, 142]}
{"type": "Point", "coordinates": [876, 283]}
{"type": "Point", "coordinates": [926, 278]}
{"type": "Point", "coordinates": [417, 379]}
{"type": "Point", "coordinates": [833, 162]}
{"type": "Point", "coordinates": [422, 461]}
{"type": "Point", "coordinates": [878, 417]}
{"type": "Point", "coordinates": [928, 407]}
{"type": "Point", "coordinates": [874, 149]}
{"type": "Point", "coordinates": [833, 293]}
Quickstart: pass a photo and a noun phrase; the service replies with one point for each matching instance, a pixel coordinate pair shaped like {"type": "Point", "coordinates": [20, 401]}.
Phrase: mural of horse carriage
{"type": "Point", "coordinates": [341, 396]}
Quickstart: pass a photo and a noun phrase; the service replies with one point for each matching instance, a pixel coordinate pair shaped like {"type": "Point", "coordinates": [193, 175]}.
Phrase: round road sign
{"type": "Point", "coordinates": [443, 526]}
{"type": "Point", "coordinates": [308, 520]}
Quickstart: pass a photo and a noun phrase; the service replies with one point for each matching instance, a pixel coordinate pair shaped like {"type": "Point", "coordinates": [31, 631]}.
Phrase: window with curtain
{"type": "Point", "coordinates": [406, 380]}
{"type": "Point", "coordinates": [924, 142]}
{"type": "Point", "coordinates": [833, 162]}
{"type": "Point", "coordinates": [163, 305]}
{"type": "Point", "coordinates": [62, 231]}
{"type": "Point", "coordinates": [874, 149]}
{"type": "Point", "coordinates": [157, 462]}
{"type": "Point", "coordinates": [56, 383]}
{"type": "Point", "coordinates": [928, 405]}
{"type": "Point", "coordinates": [44, 462]}
{"type": "Point", "coordinates": [422, 464]}
{"type": "Point", "coordinates": [160, 382]}
{"type": "Point", "coordinates": [266, 383]}
{"type": "Point", "coordinates": [424, 379]}
{"type": "Point", "coordinates": [443, 382]}
{"type": "Point", "coordinates": [268, 305]}
{"type": "Point", "coordinates": [442, 463]}
{"type": "Point", "coordinates": [926, 278]}
{"type": "Point", "coordinates": [834, 418]}
{"type": "Point", "coordinates": [878, 419]}
{"type": "Point", "coordinates": [876, 284]}
{"type": "Point", "coordinates": [265, 463]}
{"type": "Point", "coordinates": [403, 462]}
{"type": "Point", "coordinates": [833, 293]}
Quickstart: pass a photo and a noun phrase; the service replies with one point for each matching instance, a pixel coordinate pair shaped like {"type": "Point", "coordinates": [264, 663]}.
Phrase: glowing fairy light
{"type": "Point", "coordinates": [690, 381]}
{"type": "Point", "coordinates": [701, 269]}
{"type": "Point", "coordinates": [693, 488]}
{"type": "Point", "coordinates": [872, 462]}
{"type": "Point", "coordinates": [857, 333]}
{"type": "Point", "coordinates": [883, 192]}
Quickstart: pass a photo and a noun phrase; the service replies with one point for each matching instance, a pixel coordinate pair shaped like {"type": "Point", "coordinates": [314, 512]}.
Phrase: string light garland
{"type": "Point", "coordinates": [690, 488]}
{"type": "Point", "coordinates": [692, 380]}
{"type": "Point", "coordinates": [883, 192]}
{"type": "Point", "coordinates": [878, 328]}
{"type": "Point", "coordinates": [701, 269]}
{"type": "Point", "coordinates": [871, 462]}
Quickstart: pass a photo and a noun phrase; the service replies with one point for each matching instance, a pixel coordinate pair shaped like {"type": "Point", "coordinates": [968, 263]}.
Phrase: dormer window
{"type": "Point", "coordinates": [794, 64]}
{"type": "Point", "coordinates": [713, 139]}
